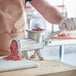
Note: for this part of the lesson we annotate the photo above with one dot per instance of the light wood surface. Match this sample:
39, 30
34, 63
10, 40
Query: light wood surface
64, 37
46, 68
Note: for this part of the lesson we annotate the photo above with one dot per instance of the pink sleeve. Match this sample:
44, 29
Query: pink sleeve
50, 13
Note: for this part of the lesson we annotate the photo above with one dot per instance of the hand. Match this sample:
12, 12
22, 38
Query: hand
68, 24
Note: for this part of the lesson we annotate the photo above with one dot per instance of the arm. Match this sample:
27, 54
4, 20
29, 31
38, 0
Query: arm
50, 13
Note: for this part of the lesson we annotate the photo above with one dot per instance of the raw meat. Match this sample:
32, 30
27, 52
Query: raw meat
14, 55
37, 29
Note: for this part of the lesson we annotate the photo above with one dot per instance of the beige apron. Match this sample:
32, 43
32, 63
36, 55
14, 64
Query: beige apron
11, 23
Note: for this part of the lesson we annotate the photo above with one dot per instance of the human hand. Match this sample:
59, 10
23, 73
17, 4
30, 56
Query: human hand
68, 24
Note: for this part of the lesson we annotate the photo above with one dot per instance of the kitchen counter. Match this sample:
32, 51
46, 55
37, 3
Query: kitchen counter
46, 68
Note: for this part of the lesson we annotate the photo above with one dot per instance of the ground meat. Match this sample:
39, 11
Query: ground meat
13, 52
37, 29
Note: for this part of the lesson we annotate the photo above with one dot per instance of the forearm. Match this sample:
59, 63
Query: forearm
50, 13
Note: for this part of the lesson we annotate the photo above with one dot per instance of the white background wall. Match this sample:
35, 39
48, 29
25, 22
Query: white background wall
71, 7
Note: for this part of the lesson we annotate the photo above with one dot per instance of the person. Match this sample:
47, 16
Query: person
12, 20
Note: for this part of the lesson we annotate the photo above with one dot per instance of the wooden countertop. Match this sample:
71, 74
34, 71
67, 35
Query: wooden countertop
64, 37
46, 68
